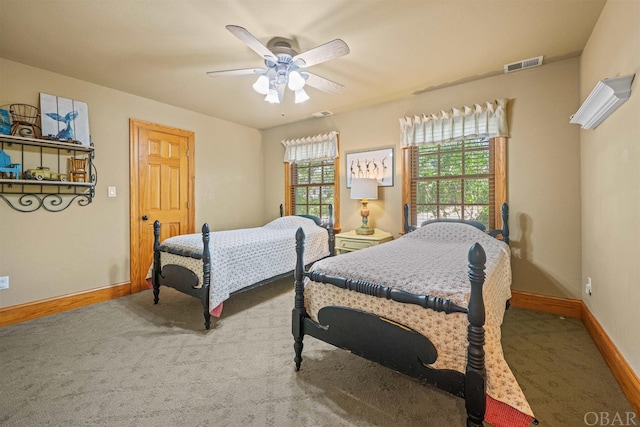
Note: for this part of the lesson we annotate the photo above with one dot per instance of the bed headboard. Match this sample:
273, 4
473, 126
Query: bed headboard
318, 221
504, 232
480, 226
315, 219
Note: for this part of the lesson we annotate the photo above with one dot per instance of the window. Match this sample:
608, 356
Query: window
311, 188
463, 179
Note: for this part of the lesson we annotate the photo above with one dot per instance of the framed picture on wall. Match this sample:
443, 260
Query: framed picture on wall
376, 164
5, 122
64, 119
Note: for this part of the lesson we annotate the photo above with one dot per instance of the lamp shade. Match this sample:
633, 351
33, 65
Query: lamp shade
262, 85
364, 188
296, 81
272, 97
603, 100
301, 96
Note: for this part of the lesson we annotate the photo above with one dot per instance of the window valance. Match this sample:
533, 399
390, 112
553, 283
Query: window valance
486, 120
317, 147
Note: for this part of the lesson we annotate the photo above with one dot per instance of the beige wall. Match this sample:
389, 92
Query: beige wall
611, 181
573, 194
543, 166
52, 254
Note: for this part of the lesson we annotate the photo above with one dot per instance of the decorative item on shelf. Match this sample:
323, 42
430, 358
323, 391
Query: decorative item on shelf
13, 169
24, 118
53, 138
5, 122
40, 173
65, 119
59, 177
43, 173
78, 169
364, 189
603, 100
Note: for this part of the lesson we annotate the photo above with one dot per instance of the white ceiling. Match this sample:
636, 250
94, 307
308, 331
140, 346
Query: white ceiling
161, 49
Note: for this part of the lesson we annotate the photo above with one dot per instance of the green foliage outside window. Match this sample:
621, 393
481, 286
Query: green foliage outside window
453, 180
313, 188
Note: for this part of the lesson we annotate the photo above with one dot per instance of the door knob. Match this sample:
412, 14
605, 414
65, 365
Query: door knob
145, 217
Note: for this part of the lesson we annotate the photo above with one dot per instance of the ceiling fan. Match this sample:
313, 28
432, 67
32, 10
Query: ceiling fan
285, 67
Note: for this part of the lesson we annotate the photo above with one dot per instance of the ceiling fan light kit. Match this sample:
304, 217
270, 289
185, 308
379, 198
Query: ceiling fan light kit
285, 67
272, 97
296, 81
301, 96
262, 85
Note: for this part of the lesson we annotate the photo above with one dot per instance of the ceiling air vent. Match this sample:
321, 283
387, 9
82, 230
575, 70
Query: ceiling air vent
521, 65
322, 114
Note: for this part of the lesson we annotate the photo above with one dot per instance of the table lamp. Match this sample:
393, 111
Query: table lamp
364, 189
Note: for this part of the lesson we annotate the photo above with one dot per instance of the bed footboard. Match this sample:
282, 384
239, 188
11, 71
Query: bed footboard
404, 349
180, 278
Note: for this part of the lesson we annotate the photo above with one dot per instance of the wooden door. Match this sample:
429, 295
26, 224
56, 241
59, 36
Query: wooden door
162, 177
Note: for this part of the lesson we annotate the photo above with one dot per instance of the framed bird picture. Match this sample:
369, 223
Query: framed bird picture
64, 119
376, 164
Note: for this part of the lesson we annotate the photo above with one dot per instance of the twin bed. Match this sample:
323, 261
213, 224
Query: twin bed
429, 304
208, 265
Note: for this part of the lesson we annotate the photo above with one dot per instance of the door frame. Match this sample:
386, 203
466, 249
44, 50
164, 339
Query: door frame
134, 186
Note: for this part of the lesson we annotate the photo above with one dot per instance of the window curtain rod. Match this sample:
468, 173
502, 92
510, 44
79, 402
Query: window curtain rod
317, 147
481, 120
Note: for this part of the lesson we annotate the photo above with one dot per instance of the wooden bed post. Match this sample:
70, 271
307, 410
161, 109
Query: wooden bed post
332, 238
475, 386
505, 223
156, 262
405, 226
299, 311
206, 275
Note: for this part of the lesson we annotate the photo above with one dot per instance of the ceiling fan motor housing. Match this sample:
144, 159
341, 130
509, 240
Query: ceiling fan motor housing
280, 45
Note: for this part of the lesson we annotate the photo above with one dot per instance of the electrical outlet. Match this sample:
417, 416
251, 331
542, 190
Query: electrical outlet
4, 282
587, 286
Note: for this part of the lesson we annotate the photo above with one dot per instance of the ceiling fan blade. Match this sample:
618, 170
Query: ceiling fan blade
236, 72
323, 84
247, 38
322, 53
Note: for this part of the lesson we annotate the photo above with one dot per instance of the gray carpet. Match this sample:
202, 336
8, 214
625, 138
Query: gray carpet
127, 362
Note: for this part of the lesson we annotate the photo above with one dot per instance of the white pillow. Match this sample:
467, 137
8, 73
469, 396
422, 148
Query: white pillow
290, 221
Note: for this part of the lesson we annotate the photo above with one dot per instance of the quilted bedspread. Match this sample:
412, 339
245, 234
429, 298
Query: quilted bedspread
240, 258
433, 260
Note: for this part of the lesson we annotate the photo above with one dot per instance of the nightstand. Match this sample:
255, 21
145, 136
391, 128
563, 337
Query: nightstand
350, 241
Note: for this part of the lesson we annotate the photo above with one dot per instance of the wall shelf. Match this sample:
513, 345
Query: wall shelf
28, 195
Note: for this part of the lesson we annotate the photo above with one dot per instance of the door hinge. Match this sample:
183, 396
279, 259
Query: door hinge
188, 204
188, 153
